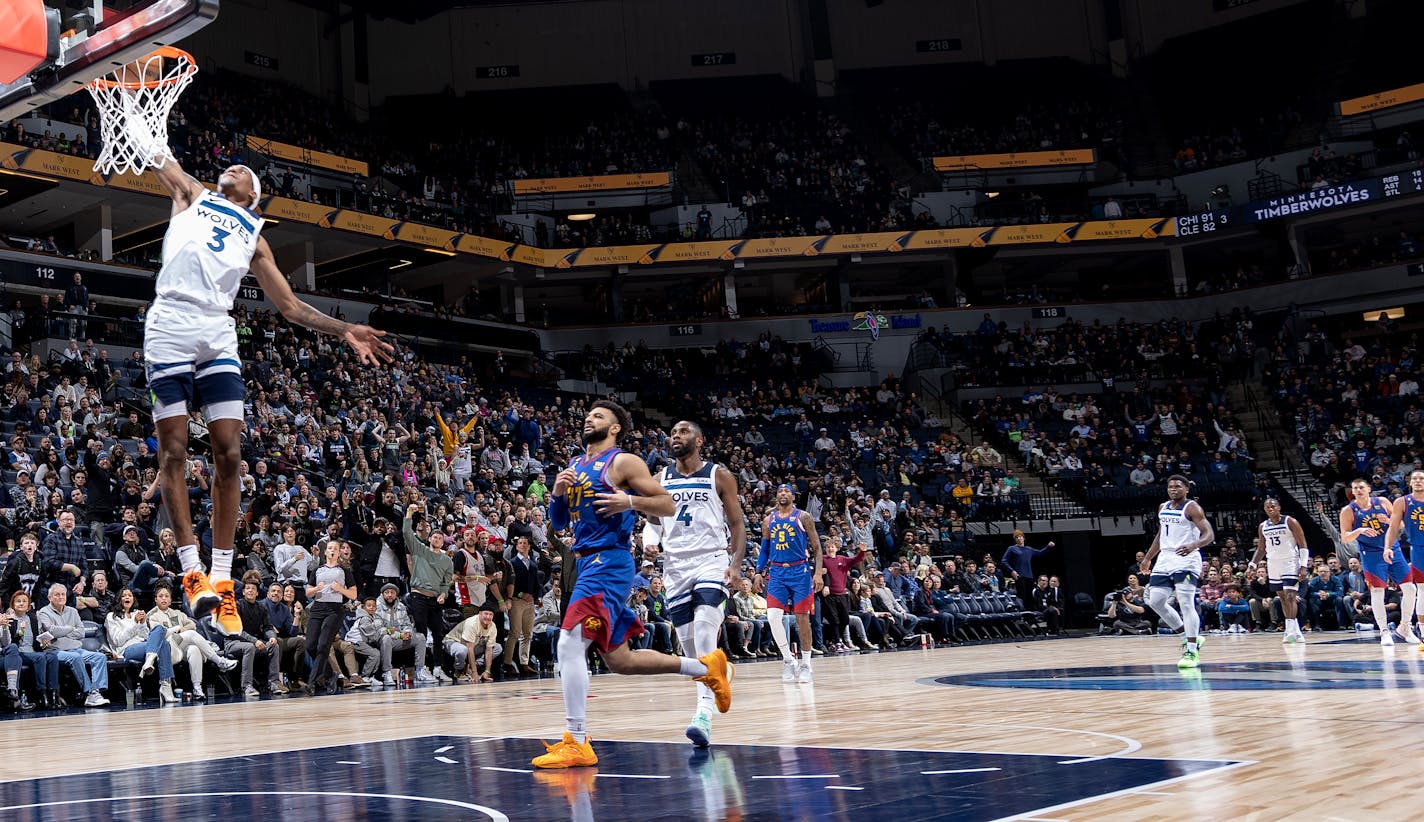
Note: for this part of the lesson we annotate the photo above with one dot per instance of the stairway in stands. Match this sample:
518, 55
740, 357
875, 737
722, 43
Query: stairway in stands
1276, 453
1044, 502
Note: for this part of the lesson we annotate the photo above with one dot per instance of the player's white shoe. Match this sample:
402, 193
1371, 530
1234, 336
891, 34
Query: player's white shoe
803, 673
1387, 639
788, 670
1293, 637
1406, 636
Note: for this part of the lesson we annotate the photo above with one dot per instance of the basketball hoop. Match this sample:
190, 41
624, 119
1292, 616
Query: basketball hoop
134, 101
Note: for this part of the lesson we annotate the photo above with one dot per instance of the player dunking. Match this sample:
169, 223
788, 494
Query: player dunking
1364, 522
1407, 516
1183, 532
600, 494
190, 353
1282, 542
789, 544
697, 569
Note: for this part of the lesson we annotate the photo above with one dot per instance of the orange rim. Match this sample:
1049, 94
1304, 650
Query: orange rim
163, 51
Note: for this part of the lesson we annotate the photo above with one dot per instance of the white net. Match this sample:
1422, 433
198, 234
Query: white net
134, 102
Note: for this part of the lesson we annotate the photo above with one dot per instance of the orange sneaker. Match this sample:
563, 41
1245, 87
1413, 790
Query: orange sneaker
226, 616
567, 753
718, 678
202, 599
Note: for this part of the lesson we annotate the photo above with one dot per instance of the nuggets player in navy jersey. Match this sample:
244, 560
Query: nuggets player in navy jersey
600, 495
1407, 517
1365, 522
190, 353
703, 544
792, 549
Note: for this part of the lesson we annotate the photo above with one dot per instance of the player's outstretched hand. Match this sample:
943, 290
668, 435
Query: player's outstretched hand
368, 345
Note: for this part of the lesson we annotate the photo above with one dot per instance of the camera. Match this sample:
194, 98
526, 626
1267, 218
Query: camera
1124, 593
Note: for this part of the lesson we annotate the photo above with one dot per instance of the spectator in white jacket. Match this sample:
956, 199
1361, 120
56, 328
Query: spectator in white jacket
130, 637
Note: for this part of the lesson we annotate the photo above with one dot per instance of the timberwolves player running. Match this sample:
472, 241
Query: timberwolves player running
1363, 522
190, 352
1407, 515
1283, 542
600, 495
1183, 532
792, 584
697, 572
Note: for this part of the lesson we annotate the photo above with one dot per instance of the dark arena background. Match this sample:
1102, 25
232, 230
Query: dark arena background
958, 272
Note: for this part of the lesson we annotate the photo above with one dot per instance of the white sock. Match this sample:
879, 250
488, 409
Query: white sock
1160, 600
1377, 605
1408, 604
806, 658
706, 624
1292, 626
188, 555
778, 632
691, 667
222, 566
573, 653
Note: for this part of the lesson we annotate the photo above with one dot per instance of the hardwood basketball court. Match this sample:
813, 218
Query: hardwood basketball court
1071, 729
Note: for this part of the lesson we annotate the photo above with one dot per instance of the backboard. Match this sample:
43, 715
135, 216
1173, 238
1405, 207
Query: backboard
124, 30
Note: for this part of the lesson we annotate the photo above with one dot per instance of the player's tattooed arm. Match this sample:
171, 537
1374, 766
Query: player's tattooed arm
309, 316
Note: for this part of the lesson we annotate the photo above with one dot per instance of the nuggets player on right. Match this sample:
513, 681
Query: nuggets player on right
1406, 516
789, 545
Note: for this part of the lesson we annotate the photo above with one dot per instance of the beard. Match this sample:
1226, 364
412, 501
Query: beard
682, 450
596, 435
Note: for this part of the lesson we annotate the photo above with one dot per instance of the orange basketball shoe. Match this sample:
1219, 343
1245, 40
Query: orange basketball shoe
226, 616
202, 599
718, 678
567, 753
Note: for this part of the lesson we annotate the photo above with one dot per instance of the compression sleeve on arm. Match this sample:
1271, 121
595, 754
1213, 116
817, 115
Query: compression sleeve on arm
559, 512
764, 556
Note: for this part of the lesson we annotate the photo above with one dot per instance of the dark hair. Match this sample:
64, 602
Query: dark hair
118, 606
620, 414
1179, 478
696, 429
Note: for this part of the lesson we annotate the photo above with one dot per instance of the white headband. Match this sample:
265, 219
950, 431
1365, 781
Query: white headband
256, 184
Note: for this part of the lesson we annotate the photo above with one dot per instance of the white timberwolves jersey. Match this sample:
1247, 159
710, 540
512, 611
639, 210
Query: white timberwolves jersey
698, 525
1176, 530
1279, 539
207, 250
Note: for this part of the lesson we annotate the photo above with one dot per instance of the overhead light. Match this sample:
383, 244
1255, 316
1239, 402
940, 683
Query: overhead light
991, 194
439, 251
401, 264
582, 216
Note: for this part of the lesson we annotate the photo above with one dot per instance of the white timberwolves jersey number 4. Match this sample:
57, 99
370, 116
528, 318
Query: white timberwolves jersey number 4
1176, 530
207, 250
698, 525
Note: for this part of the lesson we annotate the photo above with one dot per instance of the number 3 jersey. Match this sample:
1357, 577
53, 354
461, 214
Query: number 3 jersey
207, 250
